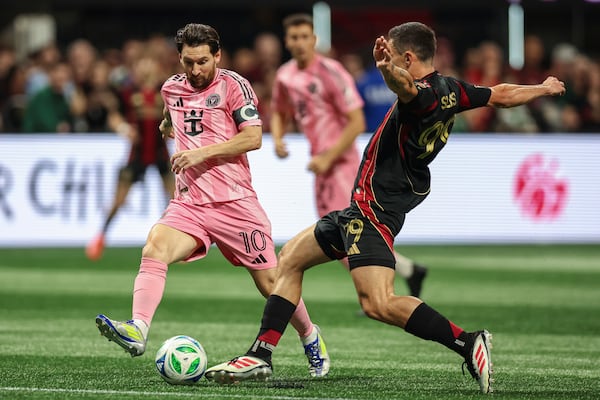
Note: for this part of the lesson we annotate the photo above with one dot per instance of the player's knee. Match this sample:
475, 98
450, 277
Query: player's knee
285, 259
375, 309
154, 249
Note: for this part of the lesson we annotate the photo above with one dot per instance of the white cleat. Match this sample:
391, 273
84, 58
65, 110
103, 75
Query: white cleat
479, 361
318, 358
125, 334
239, 369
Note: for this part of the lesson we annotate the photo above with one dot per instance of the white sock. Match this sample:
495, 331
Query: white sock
404, 266
142, 327
310, 338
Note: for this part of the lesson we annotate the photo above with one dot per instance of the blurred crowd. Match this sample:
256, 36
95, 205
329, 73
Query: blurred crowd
81, 89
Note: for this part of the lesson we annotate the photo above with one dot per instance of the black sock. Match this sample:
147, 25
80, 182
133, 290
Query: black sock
428, 324
278, 312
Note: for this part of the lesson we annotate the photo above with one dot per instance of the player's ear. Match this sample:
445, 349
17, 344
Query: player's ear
218, 56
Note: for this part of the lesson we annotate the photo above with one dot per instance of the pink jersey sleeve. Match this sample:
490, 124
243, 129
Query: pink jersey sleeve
280, 101
242, 101
340, 85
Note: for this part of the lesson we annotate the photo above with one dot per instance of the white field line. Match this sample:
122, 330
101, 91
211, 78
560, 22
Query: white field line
165, 394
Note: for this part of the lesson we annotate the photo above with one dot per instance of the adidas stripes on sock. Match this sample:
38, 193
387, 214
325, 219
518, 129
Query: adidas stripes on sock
276, 315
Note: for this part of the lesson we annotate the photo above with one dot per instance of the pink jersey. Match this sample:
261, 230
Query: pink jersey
319, 96
213, 115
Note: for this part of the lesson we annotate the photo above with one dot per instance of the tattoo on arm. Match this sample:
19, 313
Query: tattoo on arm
398, 80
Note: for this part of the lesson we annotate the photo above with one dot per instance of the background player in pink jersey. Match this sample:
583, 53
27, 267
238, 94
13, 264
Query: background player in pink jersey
212, 115
393, 178
320, 96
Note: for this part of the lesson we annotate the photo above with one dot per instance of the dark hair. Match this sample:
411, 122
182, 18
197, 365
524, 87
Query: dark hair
197, 34
416, 37
297, 19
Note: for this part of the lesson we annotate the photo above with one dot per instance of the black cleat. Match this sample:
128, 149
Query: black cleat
415, 282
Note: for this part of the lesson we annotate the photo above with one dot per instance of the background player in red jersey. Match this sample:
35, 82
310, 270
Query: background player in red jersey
321, 98
143, 108
393, 178
215, 122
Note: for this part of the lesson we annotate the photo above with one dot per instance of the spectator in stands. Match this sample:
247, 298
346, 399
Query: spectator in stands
121, 75
486, 69
534, 54
377, 97
81, 56
37, 71
533, 70
559, 113
12, 91
593, 122
268, 51
104, 108
445, 57
51, 109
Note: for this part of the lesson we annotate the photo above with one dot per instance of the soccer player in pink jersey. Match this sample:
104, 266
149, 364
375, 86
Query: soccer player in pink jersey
321, 97
212, 115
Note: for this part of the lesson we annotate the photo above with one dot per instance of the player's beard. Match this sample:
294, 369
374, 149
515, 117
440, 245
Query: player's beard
201, 82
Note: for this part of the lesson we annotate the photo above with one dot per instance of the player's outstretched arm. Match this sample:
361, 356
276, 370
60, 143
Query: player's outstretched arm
511, 95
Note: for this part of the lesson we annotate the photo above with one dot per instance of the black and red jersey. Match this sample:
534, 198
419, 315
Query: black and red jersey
394, 173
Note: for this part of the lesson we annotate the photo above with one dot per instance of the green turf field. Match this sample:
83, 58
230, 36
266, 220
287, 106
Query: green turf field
542, 303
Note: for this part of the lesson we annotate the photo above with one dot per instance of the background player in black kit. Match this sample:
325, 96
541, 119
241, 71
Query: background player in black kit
393, 178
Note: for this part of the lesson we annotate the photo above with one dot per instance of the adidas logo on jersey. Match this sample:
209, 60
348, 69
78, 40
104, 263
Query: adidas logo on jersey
178, 103
259, 260
353, 249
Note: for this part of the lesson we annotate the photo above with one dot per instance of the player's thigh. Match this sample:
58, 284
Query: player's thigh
301, 252
168, 244
373, 281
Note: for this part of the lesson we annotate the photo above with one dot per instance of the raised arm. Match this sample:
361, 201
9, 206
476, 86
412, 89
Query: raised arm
506, 95
399, 80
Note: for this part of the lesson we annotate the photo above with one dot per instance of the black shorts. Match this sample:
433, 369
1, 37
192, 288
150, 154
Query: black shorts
349, 233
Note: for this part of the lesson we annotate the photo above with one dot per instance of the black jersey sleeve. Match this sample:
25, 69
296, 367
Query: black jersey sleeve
472, 96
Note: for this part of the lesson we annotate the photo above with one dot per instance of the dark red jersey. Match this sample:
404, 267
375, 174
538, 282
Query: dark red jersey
394, 173
144, 110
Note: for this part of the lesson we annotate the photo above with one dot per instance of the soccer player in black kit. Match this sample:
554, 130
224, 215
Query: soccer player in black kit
393, 179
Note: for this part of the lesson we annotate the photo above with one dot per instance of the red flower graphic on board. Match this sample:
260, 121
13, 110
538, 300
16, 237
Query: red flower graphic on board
539, 191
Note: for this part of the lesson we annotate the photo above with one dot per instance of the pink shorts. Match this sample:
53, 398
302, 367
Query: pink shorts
239, 228
334, 189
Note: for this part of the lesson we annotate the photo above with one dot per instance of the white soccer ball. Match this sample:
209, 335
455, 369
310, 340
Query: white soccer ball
181, 360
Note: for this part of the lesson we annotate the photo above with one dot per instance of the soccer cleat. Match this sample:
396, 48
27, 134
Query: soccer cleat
416, 280
479, 361
125, 334
239, 369
95, 248
318, 358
